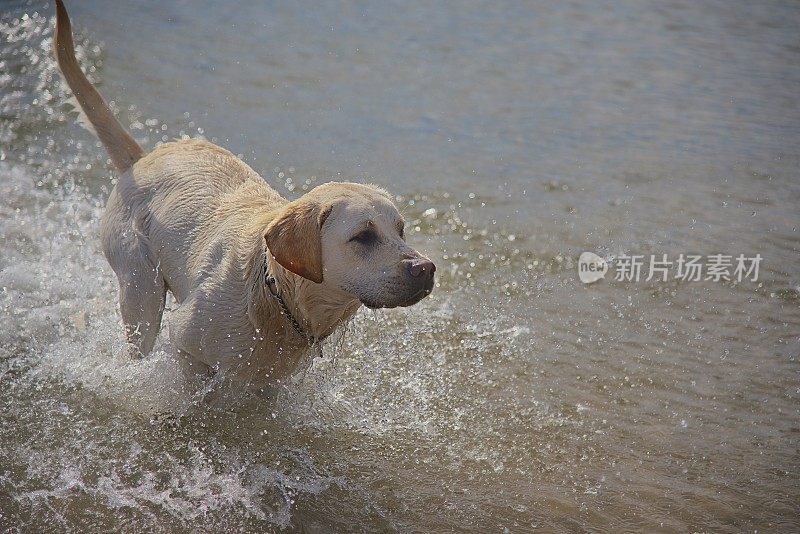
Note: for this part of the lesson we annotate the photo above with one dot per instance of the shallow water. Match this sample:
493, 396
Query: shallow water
515, 397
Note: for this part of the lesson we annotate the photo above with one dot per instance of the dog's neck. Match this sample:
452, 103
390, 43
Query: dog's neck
318, 309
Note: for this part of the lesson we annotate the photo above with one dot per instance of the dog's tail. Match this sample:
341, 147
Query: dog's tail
97, 116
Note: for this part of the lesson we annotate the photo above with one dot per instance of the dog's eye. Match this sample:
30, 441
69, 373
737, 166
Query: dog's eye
366, 237
402, 231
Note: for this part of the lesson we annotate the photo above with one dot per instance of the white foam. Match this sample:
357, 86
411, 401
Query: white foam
65, 298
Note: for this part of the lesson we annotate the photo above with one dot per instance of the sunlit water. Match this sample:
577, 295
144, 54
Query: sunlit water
515, 137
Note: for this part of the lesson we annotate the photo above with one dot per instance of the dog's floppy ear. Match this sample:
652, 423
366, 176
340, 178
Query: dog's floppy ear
294, 238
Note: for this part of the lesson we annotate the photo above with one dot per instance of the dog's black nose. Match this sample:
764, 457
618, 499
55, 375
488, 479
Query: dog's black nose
422, 267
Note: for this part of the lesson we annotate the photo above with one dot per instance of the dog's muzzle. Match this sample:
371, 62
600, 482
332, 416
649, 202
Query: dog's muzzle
419, 273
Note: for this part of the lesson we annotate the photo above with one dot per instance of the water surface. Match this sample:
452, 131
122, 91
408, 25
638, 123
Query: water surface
515, 136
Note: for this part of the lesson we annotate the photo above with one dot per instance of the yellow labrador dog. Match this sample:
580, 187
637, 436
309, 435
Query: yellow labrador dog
259, 279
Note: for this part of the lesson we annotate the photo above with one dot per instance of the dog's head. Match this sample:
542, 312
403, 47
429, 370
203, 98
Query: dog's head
350, 236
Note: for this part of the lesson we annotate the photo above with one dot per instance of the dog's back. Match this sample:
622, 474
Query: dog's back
187, 202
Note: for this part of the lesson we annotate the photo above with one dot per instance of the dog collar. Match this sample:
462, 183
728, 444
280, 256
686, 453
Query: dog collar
272, 287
